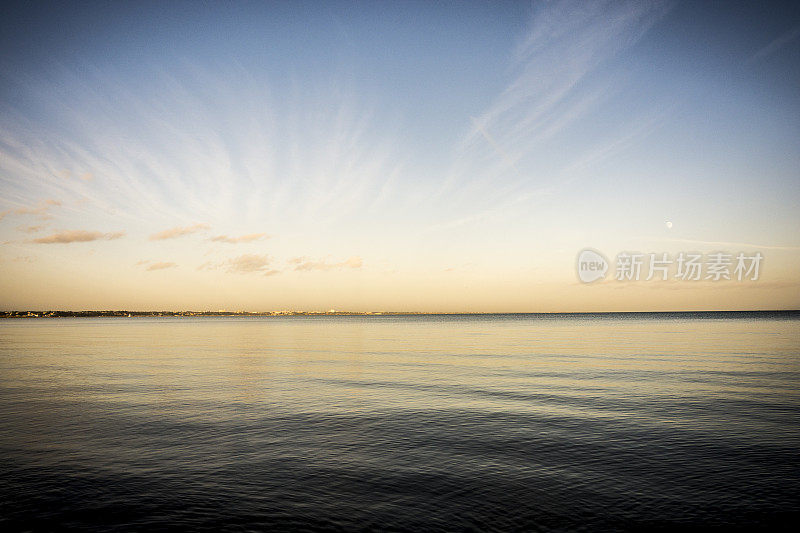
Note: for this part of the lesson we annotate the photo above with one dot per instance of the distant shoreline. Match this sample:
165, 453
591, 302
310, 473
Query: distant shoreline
151, 314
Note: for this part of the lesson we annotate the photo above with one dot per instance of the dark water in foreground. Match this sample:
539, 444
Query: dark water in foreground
400, 423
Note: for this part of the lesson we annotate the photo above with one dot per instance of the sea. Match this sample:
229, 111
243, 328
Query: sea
520, 422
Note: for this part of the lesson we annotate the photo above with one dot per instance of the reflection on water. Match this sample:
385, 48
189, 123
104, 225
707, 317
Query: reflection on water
492, 422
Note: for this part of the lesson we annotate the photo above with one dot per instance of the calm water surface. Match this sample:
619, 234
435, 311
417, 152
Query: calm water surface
400, 423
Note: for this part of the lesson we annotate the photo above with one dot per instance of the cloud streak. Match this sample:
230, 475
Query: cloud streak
42, 209
304, 263
30, 229
734, 244
244, 238
66, 237
163, 265
174, 233
775, 46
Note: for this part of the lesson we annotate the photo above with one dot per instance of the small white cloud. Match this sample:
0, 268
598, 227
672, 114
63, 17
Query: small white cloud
247, 263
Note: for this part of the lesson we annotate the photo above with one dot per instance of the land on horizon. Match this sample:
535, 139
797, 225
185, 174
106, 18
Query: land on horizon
124, 313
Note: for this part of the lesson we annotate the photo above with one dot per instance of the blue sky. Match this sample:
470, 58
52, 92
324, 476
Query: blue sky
449, 156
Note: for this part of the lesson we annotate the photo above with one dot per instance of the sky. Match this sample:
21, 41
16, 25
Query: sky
396, 156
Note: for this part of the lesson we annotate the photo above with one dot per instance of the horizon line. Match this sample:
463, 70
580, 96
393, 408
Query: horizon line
189, 313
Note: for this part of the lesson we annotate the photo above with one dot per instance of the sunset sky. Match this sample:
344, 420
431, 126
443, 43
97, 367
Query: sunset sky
394, 156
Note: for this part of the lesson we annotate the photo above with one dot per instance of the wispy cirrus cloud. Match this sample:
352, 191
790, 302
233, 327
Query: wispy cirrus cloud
243, 238
174, 233
553, 85
70, 236
304, 263
162, 265
775, 45
306, 154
